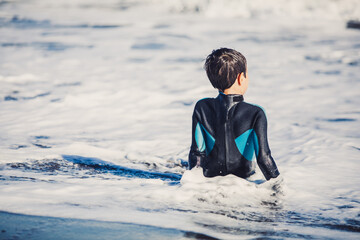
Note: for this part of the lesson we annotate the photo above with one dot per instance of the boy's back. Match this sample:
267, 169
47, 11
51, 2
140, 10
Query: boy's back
227, 135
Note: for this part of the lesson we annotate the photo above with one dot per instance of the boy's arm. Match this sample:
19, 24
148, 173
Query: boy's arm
265, 161
195, 154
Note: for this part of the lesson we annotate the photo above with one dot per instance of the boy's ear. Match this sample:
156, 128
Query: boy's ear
240, 78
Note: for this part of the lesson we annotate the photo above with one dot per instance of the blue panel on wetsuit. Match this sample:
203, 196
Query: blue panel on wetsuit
203, 138
247, 143
256, 143
199, 138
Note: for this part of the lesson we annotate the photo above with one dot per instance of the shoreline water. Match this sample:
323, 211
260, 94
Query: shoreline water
96, 104
21, 226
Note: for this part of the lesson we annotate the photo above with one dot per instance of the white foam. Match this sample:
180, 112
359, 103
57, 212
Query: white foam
109, 95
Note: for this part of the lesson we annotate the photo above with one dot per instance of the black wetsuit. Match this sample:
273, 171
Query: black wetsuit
226, 135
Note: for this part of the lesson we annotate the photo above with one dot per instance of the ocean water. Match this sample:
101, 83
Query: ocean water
96, 99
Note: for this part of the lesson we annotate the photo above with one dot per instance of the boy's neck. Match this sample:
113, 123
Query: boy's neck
230, 91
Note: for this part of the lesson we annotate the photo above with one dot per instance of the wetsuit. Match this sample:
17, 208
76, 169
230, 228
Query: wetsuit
227, 134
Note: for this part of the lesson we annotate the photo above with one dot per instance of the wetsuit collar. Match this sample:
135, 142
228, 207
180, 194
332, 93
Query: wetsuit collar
230, 100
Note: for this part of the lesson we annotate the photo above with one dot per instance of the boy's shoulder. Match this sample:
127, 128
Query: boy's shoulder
204, 101
205, 104
254, 106
255, 109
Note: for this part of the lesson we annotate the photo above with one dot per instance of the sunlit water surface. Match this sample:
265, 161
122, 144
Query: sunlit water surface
96, 100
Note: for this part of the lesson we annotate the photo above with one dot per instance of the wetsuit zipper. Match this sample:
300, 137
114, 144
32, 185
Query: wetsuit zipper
226, 139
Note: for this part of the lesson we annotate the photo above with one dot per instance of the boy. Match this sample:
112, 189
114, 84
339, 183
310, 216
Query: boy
226, 131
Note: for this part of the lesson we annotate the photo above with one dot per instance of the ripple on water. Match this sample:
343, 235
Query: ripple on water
149, 46
47, 46
337, 119
28, 23
16, 98
79, 166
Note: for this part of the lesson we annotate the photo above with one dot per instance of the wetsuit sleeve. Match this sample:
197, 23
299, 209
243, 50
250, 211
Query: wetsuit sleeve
263, 155
197, 153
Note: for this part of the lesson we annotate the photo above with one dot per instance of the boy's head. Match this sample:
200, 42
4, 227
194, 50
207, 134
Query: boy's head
223, 67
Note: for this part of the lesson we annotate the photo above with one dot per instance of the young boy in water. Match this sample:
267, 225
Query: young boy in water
227, 133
